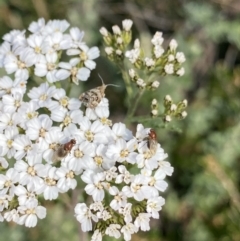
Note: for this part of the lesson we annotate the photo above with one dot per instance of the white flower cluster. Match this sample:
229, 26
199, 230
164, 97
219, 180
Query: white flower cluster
168, 61
41, 52
47, 143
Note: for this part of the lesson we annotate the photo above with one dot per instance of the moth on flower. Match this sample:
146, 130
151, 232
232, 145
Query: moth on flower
93, 97
63, 150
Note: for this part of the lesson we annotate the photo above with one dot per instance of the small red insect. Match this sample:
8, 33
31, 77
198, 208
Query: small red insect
63, 150
152, 141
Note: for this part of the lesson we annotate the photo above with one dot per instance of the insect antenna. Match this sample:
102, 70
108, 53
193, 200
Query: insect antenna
107, 84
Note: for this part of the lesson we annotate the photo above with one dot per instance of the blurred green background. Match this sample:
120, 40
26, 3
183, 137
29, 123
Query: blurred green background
203, 199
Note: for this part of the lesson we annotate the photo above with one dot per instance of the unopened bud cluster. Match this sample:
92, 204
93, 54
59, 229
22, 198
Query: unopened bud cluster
173, 110
117, 42
154, 108
161, 62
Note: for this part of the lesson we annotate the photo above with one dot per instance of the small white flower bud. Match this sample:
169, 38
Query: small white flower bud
157, 39
168, 98
168, 118
180, 72
184, 114
171, 57
119, 52
169, 68
149, 62
154, 102
154, 112
119, 40
173, 107
116, 30
155, 84
103, 31
141, 83
158, 51
132, 73
173, 45
185, 102
127, 24
109, 50
137, 44
180, 57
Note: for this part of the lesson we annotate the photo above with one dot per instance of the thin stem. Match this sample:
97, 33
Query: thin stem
132, 110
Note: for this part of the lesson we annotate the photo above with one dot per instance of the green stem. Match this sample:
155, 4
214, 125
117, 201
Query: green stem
132, 110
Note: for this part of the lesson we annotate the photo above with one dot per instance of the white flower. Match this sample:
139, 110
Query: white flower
25, 195
12, 215
66, 179
95, 184
126, 212
38, 127
57, 26
64, 101
27, 111
104, 215
47, 66
86, 55
49, 187
124, 176
57, 41
31, 211
19, 65
66, 117
119, 131
138, 188
42, 94
84, 216
7, 181
154, 205
12, 102
28, 172
93, 132
8, 120
97, 236
82, 156
77, 36
37, 27
128, 230
113, 230
142, 221
23, 146
165, 167
6, 141
50, 142
120, 200
123, 151
71, 70
37, 43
